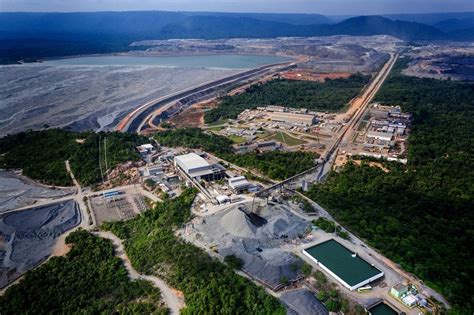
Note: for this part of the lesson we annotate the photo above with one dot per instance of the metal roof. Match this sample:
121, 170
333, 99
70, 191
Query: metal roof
191, 161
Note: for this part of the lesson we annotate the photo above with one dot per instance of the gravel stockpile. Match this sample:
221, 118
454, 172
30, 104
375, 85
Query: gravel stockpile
302, 302
233, 232
238, 224
28, 237
17, 191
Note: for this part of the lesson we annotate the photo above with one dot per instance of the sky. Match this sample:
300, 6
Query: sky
327, 7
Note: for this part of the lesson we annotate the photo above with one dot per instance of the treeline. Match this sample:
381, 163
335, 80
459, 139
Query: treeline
331, 95
420, 215
194, 138
42, 154
88, 280
209, 286
275, 164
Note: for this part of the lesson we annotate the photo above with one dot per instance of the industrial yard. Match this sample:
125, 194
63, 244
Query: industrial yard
267, 223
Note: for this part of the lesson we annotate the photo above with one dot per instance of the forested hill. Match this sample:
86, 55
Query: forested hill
420, 215
42, 154
32, 36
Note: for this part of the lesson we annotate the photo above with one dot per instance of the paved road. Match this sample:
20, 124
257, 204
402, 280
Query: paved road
133, 122
170, 295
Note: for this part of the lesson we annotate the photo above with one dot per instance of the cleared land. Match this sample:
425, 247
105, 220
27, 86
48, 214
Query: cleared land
28, 237
85, 97
285, 138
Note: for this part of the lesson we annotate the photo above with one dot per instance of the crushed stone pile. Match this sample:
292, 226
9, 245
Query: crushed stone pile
237, 223
260, 248
302, 302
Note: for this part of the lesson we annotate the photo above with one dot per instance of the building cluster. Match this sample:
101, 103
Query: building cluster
281, 117
258, 147
171, 168
386, 132
408, 295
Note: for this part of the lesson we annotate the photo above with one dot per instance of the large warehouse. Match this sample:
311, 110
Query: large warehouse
344, 265
198, 168
294, 118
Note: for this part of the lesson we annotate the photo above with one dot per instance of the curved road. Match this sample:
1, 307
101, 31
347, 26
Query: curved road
134, 120
170, 296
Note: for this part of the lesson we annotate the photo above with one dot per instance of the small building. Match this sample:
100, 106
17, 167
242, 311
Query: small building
198, 168
378, 135
399, 290
409, 300
242, 149
153, 171
274, 108
239, 183
222, 199
267, 146
294, 118
146, 149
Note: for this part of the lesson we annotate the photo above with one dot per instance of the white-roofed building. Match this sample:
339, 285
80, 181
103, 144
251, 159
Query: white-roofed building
239, 183
379, 135
198, 168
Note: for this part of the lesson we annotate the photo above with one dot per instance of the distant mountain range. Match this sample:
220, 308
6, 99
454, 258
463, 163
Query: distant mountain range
20, 33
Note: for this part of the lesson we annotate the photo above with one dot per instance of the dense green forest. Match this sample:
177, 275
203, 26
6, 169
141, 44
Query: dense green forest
209, 286
88, 280
331, 95
420, 215
194, 138
41, 154
275, 164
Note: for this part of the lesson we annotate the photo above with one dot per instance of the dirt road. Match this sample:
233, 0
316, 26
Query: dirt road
170, 296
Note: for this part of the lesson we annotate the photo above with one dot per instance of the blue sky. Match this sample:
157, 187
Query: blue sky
328, 7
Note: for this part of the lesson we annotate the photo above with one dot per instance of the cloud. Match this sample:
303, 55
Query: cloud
331, 7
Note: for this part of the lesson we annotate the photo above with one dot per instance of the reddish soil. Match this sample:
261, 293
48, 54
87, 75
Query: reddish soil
306, 75
194, 115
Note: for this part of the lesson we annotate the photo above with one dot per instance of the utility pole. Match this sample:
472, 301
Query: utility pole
100, 164
105, 155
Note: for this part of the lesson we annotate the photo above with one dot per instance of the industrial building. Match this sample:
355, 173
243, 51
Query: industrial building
380, 135
145, 149
198, 168
239, 183
294, 118
344, 265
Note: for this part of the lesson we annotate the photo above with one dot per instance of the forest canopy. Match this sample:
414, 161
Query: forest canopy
209, 286
420, 215
42, 154
88, 280
330, 95
277, 165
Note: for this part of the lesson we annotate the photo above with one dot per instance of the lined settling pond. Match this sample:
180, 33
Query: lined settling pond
344, 265
382, 309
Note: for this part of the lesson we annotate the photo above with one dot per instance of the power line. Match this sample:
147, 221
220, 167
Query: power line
100, 164
105, 155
